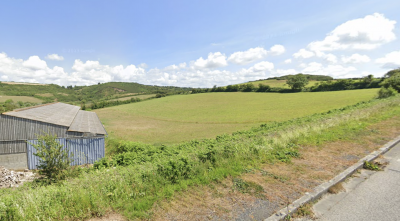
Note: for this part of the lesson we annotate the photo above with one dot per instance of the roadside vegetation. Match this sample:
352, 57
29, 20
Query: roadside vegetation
134, 175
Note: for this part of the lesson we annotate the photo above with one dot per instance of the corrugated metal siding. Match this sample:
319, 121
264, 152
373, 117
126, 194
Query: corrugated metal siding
14, 128
83, 151
10, 147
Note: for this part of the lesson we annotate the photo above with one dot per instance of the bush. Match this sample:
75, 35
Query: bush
54, 159
386, 92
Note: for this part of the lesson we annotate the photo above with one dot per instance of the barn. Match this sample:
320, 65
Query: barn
81, 132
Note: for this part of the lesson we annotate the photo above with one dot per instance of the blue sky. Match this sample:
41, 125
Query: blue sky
195, 43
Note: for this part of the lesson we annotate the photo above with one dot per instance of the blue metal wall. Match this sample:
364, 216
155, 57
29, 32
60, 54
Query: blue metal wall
82, 150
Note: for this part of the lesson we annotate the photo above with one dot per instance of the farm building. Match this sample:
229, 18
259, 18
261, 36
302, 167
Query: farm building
81, 132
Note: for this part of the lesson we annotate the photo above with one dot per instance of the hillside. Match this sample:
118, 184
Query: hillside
78, 94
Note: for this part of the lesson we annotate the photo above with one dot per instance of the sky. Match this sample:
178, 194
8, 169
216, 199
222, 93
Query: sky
195, 43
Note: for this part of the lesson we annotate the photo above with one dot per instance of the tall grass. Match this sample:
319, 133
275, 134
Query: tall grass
135, 175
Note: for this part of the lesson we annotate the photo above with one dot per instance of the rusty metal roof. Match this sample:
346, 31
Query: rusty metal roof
54, 113
87, 122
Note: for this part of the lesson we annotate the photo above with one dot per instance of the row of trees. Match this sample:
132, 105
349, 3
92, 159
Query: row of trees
297, 83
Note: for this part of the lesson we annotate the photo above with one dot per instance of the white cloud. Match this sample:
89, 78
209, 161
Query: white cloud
249, 56
355, 59
390, 61
33, 70
303, 53
277, 50
281, 72
35, 63
54, 57
364, 33
331, 58
143, 65
263, 66
288, 61
214, 60
335, 71
92, 72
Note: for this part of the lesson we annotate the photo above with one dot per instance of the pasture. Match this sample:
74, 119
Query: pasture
180, 118
142, 97
20, 98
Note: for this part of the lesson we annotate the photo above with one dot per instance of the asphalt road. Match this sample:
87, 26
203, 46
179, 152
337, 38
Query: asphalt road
369, 196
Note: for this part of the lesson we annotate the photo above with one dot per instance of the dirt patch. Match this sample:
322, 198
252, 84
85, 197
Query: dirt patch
281, 183
109, 217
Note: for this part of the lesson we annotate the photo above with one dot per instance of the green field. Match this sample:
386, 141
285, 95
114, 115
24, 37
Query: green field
142, 97
180, 118
20, 98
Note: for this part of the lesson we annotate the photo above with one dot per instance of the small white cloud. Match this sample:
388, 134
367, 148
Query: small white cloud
54, 57
214, 60
288, 61
277, 50
182, 65
303, 53
143, 65
390, 61
331, 58
355, 59
263, 66
335, 71
364, 33
249, 56
35, 63
281, 72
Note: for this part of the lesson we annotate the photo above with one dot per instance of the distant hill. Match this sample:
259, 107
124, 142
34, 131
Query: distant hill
77, 94
309, 76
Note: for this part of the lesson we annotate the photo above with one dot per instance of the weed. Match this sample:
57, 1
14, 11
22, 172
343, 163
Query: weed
371, 166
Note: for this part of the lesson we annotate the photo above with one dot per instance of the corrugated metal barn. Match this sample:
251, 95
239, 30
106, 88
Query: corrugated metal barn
81, 132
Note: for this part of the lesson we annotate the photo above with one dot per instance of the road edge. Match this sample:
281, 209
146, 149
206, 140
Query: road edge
323, 188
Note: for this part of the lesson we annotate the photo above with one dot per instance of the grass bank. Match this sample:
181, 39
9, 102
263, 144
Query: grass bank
137, 175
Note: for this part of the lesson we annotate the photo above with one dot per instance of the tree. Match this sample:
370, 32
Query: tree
297, 82
54, 159
249, 87
393, 81
392, 72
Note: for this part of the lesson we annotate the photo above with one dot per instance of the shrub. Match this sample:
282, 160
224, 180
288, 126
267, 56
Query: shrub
54, 159
386, 92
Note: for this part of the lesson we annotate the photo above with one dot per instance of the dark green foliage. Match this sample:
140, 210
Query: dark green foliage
392, 72
386, 92
392, 81
232, 88
346, 84
263, 88
249, 87
54, 158
297, 82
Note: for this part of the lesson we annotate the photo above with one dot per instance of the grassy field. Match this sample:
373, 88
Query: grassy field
184, 117
143, 96
20, 98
